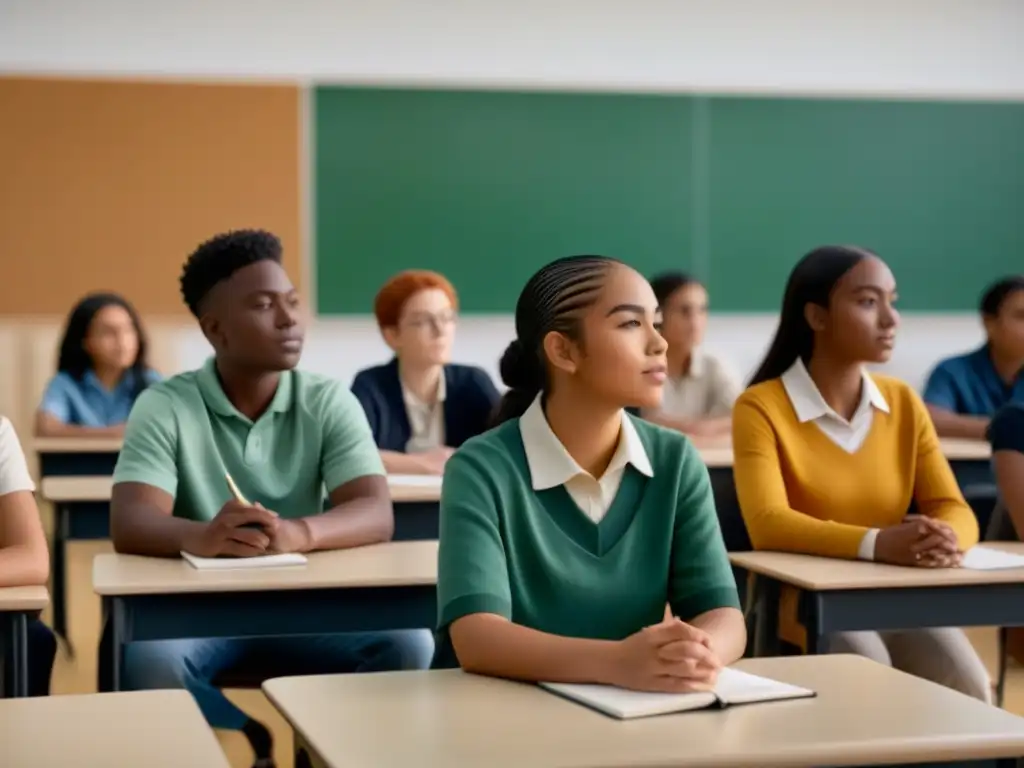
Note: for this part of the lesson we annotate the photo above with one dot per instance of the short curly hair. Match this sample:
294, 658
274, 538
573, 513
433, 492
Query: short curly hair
220, 257
391, 298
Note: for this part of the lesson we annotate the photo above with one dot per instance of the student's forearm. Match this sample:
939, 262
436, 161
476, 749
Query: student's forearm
396, 463
23, 566
488, 644
956, 425
352, 524
142, 531
728, 632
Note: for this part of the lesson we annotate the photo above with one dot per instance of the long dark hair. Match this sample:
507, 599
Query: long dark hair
811, 282
550, 301
75, 361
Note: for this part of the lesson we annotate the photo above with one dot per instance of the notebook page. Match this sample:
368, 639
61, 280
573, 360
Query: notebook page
415, 481
625, 704
230, 563
987, 559
736, 687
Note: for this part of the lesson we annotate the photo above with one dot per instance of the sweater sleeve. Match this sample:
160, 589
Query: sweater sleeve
771, 522
936, 491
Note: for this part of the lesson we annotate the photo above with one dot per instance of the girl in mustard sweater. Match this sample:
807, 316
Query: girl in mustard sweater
828, 458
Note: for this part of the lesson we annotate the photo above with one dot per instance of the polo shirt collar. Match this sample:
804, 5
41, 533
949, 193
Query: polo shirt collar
551, 465
810, 405
215, 398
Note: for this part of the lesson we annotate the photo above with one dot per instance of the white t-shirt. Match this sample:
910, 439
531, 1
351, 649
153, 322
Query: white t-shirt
14, 474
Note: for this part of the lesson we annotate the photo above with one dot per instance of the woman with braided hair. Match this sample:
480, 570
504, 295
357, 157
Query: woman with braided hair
567, 528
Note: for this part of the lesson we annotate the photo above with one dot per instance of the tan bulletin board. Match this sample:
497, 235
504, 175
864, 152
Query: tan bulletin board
109, 185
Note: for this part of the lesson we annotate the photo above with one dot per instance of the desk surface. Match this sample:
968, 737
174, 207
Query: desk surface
157, 729
97, 488
452, 718
77, 444
717, 454
23, 599
823, 574
394, 564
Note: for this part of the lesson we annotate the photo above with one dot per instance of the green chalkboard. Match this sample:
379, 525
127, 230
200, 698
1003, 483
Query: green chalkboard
486, 187
936, 189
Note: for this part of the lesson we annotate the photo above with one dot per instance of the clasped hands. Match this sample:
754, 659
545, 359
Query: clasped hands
669, 657
243, 530
919, 541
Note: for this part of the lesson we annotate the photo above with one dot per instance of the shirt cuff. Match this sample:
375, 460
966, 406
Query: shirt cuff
866, 551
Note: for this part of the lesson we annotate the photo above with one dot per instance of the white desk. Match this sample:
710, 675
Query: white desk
155, 729
864, 714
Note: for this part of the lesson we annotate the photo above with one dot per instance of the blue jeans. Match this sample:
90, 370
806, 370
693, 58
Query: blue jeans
195, 664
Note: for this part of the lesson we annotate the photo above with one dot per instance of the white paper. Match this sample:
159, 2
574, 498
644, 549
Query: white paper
229, 563
733, 687
415, 481
987, 559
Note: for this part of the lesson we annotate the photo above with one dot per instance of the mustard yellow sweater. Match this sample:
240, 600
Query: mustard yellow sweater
800, 492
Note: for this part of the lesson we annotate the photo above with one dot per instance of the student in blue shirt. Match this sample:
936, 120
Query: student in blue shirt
101, 369
964, 392
420, 406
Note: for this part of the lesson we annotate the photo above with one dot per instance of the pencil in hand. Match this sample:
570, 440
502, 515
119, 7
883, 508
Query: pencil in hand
235, 492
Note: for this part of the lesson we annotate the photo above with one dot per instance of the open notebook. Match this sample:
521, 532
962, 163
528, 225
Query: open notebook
261, 561
734, 687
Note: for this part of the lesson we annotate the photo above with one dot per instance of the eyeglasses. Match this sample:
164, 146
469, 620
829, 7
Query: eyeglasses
436, 323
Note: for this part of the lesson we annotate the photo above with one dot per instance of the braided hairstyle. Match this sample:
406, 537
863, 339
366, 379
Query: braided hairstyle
552, 300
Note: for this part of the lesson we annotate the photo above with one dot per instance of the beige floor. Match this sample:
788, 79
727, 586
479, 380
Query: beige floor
79, 675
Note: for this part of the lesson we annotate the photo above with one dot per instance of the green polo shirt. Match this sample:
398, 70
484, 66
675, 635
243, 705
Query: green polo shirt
531, 555
184, 434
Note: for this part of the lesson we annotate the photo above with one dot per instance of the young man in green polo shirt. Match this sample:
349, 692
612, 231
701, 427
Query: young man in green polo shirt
285, 437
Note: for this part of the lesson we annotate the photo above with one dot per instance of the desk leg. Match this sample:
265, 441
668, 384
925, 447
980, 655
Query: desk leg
117, 616
817, 641
766, 628
58, 554
17, 652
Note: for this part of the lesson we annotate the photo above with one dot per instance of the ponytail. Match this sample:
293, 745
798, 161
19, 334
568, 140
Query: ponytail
550, 301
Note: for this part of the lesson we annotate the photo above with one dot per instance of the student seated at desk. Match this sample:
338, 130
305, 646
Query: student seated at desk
101, 370
964, 392
420, 406
24, 560
701, 389
284, 436
828, 458
567, 528
1006, 434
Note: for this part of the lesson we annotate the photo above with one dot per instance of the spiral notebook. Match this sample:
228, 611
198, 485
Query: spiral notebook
231, 563
734, 687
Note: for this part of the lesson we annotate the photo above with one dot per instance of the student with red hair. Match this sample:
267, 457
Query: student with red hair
420, 406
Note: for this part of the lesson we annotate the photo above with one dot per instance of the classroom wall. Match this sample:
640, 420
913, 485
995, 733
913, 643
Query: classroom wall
899, 48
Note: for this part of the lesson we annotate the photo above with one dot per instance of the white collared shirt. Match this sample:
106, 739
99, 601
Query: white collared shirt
850, 435
426, 420
551, 465
707, 390
14, 475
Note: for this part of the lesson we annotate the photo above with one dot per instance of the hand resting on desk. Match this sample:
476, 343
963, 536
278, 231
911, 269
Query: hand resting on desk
919, 542
670, 657
238, 530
